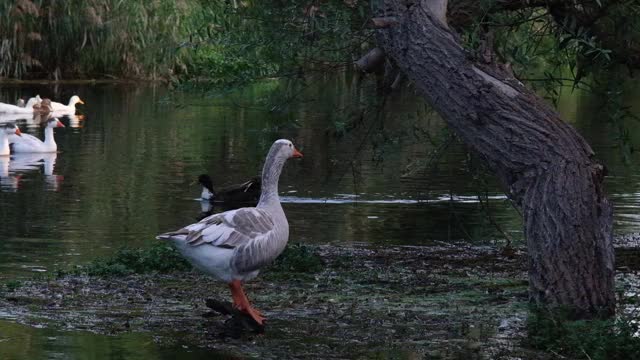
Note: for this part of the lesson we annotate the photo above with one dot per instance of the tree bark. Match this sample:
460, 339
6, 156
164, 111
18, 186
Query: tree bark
545, 166
371, 61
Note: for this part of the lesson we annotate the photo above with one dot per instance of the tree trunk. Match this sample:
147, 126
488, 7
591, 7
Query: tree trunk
545, 166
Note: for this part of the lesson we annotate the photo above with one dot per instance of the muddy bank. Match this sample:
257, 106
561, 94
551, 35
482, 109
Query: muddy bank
440, 302
432, 302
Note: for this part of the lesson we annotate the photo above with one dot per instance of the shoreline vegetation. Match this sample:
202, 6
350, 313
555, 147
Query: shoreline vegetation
217, 42
438, 302
75, 81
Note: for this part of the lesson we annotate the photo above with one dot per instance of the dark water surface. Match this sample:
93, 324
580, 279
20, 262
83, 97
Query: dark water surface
125, 168
125, 174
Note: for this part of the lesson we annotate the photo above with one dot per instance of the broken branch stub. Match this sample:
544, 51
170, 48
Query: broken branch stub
371, 61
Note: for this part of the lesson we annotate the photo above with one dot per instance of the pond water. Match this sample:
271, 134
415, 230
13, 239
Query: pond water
126, 165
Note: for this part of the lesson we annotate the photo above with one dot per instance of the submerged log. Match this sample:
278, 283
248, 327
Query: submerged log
239, 321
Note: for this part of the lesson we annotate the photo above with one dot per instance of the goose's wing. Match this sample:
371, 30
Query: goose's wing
13, 109
25, 141
229, 229
56, 106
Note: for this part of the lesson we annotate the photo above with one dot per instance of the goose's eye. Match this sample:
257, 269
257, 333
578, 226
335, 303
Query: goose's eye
290, 145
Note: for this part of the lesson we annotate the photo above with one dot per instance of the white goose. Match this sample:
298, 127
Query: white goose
33, 101
232, 246
17, 109
14, 109
31, 144
62, 108
7, 130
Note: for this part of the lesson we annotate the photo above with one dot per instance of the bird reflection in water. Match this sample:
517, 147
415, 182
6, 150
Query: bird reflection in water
8, 182
13, 168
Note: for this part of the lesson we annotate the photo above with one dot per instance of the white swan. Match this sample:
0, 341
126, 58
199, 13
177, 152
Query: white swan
232, 246
7, 130
31, 144
57, 107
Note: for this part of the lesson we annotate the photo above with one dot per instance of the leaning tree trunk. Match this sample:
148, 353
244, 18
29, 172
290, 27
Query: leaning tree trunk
546, 167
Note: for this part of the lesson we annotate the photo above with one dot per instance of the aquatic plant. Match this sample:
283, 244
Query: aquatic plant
96, 38
12, 285
158, 258
298, 258
556, 332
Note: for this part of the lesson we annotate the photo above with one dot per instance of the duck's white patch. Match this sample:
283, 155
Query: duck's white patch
206, 194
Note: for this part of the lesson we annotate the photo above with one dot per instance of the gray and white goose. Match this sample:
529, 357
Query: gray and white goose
232, 246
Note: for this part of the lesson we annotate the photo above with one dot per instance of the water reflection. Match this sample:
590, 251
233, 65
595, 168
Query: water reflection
74, 121
4, 117
8, 182
13, 168
23, 342
124, 176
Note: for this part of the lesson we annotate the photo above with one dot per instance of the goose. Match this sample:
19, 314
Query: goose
33, 101
16, 109
7, 130
21, 103
247, 192
71, 108
31, 144
232, 246
43, 107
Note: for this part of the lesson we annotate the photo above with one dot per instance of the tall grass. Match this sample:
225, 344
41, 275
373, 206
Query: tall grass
212, 40
93, 38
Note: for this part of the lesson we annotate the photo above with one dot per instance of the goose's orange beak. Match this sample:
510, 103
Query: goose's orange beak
296, 153
80, 102
18, 132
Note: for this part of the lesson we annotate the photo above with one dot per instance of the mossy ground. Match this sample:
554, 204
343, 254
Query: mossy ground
399, 302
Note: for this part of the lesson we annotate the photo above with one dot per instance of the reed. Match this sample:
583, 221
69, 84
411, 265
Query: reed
94, 38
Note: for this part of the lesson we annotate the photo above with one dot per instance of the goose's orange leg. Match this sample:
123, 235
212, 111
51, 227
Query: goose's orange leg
241, 302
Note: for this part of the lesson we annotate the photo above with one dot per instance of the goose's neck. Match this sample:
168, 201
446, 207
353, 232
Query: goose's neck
4, 144
270, 176
48, 137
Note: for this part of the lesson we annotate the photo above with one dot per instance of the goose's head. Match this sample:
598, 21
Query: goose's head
21, 103
9, 129
286, 149
54, 123
75, 99
33, 101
